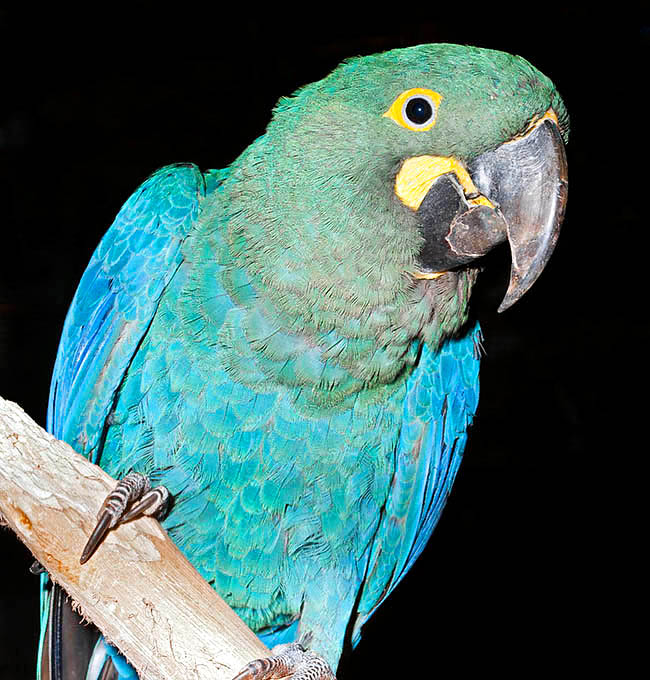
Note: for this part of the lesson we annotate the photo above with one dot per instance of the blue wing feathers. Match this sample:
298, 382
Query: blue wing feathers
116, 299
439, 404
443, 432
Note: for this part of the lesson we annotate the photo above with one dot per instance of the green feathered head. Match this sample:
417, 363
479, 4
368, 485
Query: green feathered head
482, 98
375, 191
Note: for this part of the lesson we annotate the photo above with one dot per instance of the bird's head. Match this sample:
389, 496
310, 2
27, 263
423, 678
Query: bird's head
444, 150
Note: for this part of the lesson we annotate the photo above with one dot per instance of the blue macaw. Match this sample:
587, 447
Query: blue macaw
285, 344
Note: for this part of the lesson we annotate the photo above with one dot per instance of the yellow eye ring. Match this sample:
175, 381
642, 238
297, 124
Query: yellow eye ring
415, 109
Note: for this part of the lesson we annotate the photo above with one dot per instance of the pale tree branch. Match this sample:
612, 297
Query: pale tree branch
138, 589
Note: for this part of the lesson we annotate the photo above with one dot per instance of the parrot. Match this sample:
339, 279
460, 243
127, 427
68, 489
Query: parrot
285, 347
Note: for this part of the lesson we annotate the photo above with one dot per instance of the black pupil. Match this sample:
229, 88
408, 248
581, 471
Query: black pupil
418, 110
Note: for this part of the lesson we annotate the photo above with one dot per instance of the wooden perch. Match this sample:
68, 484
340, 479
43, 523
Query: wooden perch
138, 589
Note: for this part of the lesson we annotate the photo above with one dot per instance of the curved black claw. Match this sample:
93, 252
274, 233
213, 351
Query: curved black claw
135, 491
288, 661
153, 504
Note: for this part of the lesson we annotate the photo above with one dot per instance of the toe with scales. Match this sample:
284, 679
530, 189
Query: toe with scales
288, 661
132, 497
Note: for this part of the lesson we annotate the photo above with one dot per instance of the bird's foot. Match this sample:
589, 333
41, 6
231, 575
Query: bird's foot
288, 661
132, 497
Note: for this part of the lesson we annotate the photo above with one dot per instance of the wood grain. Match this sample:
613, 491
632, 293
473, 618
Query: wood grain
138, 588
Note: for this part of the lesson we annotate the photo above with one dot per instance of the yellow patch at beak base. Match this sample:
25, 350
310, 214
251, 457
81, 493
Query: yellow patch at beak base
418, 173
427, 276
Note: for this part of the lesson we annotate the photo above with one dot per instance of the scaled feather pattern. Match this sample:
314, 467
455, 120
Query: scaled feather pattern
252, 339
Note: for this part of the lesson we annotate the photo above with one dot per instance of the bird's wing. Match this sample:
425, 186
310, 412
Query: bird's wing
116, 300
441, 398
114, 304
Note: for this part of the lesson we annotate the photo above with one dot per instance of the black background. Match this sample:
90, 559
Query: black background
517, 578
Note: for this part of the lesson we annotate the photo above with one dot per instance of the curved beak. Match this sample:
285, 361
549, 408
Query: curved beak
516, 192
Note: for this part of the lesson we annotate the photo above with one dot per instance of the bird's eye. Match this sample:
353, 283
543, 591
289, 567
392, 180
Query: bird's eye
415, 109
419, 110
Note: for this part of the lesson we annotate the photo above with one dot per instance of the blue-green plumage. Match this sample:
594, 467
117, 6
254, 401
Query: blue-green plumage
252, 339
271, 496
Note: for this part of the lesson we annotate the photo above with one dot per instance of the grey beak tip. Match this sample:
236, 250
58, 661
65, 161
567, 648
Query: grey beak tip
506, 304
